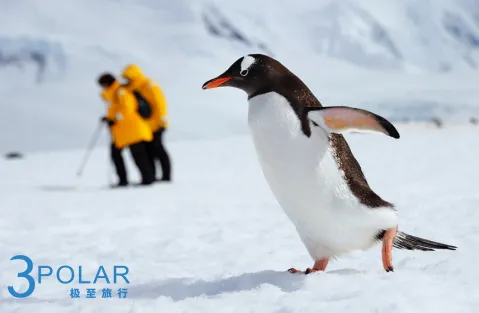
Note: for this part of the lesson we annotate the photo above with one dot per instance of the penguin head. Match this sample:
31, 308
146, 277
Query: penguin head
250, 73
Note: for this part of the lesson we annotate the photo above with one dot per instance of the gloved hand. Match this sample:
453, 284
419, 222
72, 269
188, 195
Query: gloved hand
110, 123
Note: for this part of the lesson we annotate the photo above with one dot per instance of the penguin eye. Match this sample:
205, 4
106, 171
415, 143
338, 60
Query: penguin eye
244, 72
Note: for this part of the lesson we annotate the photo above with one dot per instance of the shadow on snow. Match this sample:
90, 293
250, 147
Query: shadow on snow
182, 288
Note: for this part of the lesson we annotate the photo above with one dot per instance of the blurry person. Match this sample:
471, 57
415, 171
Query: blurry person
151, 96
127, 128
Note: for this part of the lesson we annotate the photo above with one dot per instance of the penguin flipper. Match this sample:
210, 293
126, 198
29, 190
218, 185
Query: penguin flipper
343, 119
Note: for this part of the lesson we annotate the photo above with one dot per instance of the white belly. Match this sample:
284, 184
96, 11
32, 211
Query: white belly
308, 184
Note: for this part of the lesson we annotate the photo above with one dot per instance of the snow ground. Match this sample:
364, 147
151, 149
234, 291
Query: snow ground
216, 240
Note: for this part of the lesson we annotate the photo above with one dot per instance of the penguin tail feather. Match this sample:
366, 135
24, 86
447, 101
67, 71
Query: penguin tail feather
409, 242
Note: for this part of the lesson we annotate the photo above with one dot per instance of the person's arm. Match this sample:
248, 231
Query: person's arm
110, 116
120, 106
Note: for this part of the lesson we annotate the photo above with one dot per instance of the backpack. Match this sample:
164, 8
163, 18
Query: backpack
144, 108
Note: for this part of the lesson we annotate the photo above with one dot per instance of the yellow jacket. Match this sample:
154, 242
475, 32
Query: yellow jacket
152, 93
129, 127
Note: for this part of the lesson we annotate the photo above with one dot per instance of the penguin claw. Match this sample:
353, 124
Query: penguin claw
294, 271
308, 271
311, 270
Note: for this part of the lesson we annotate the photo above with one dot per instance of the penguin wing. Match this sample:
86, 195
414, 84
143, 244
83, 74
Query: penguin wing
343, 119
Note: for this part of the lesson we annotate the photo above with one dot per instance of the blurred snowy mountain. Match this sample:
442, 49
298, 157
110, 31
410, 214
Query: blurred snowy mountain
406, 59
439, 35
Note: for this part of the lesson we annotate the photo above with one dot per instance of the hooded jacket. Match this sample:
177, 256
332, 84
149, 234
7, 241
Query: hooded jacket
151, 92
128, 128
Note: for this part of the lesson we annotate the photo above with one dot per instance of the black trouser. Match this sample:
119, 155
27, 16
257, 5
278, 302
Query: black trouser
157, 151
139, 153
119, 164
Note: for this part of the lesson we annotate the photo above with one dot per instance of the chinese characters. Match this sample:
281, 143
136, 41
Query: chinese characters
91, 293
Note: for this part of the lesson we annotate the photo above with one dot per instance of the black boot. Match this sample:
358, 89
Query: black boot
121, 184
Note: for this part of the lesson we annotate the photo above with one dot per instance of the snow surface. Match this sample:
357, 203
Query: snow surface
407, 60
216, 240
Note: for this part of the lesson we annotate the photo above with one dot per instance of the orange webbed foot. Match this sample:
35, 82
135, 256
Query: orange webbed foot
319, 265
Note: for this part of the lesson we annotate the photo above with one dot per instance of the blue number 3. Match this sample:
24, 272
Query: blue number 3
24, 274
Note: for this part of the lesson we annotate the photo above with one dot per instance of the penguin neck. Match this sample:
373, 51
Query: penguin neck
261, 91
296, 93
277, 129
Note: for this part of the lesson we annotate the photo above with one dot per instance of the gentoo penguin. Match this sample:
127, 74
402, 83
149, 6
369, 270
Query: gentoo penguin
310, 168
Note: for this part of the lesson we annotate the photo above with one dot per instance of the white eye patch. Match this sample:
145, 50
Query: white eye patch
247, 62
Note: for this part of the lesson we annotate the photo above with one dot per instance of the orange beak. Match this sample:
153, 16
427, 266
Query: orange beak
215, 82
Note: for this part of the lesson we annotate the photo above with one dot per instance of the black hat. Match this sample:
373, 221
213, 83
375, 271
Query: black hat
106, 80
